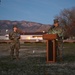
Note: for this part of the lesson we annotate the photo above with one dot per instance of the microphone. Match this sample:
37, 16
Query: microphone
52, 26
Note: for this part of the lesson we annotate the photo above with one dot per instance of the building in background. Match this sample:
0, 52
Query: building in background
26, 37
33, 37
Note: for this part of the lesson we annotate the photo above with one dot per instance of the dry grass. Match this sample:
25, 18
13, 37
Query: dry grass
35, 63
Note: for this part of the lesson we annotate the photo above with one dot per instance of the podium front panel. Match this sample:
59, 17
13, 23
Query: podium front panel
51, 51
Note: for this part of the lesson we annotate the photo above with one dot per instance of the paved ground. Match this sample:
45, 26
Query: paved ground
32, 62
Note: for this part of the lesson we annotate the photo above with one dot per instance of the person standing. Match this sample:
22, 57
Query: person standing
57, 29
14, 36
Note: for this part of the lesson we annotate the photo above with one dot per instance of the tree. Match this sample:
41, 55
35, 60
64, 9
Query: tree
67, 20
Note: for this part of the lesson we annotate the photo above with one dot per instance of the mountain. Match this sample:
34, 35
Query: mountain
25, 26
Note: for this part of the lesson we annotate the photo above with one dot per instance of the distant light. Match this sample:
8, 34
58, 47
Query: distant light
6, 30
43, 31
36, 37
28, 38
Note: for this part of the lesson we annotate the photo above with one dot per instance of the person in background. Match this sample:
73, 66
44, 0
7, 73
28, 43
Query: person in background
57, 29
14, 36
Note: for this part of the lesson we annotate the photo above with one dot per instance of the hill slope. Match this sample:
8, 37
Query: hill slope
25, 26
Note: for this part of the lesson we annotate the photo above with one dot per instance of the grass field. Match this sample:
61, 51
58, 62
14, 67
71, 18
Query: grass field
34, 63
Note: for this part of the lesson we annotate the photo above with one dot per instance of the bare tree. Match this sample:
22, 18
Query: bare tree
67, 20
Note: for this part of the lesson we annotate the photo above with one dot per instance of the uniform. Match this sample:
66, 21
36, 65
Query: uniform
58, 30
15, 43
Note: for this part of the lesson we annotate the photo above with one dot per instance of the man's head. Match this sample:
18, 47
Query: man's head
56, 22
15, 28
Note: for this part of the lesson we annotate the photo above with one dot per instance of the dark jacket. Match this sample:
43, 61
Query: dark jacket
14, 37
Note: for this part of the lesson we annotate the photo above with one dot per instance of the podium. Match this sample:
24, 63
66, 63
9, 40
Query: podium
51, 47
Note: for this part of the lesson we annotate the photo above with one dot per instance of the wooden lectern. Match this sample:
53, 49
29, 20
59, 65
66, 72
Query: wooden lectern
51, 46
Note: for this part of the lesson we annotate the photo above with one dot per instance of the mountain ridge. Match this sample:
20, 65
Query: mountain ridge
25, 26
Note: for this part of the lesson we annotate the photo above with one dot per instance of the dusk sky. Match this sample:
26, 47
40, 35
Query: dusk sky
41, 11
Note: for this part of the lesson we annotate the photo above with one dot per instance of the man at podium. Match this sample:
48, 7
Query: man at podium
56, 29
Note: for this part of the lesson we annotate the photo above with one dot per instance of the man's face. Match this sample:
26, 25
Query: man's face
15, 29
56, 24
